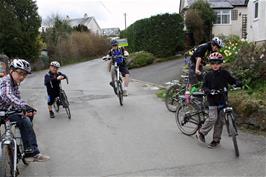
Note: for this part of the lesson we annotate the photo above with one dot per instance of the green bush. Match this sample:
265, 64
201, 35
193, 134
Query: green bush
140, 59
161, 35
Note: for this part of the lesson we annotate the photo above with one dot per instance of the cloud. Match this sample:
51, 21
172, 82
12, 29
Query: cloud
108, 13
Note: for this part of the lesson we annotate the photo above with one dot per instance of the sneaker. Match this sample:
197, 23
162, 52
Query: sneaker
38, 158
112, 84
125, 93
200, 137
52, 114
213, 144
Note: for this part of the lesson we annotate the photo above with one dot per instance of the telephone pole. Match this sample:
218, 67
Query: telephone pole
125, 20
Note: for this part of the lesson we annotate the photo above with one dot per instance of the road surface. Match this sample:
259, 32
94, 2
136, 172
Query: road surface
138, 139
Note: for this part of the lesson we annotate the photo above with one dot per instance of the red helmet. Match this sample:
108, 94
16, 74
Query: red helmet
216, 57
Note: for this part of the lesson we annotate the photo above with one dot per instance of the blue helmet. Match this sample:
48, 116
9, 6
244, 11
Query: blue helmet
114, 42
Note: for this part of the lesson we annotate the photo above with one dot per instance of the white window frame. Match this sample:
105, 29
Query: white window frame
220, 13
254, 7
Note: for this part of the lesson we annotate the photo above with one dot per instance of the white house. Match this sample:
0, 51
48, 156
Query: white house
231, 16
257, 21
90, 22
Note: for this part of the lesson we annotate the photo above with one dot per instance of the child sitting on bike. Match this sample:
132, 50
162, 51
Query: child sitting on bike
52, 82
216, 79
116, 51
10, 100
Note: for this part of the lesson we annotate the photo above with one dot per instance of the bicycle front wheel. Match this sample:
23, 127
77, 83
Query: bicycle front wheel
233, 132
68, 112
120, 93
187, 119
171, 97
6, 161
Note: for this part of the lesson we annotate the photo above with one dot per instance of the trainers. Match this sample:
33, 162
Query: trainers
38, 158
213, 144
51, 114
125, 93
200, 137
112, 84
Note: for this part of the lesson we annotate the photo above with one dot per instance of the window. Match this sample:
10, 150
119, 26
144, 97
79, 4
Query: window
222, 17
234, 14
256, 10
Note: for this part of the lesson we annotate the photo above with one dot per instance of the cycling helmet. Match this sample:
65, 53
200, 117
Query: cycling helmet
218, 42
114, 43
21, 64
55, 64
216, 57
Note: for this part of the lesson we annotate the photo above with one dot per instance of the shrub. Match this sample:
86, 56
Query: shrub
161, 35
140, 59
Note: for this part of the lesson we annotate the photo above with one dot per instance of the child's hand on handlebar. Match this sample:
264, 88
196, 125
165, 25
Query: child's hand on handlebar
60, 77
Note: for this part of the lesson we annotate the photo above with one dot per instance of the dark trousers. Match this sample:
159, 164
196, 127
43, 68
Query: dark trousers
27, 133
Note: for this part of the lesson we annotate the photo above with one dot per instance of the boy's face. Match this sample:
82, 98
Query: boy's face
115, 46
53, 69
215, 48
18, 75
216, 66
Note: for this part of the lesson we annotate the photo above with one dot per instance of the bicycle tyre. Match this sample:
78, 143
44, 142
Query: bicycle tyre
184, 115
6, 162
233, 132
68, 112
171, 100
63, 99
120, 93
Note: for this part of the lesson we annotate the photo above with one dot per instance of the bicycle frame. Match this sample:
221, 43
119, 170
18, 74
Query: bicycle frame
9, 139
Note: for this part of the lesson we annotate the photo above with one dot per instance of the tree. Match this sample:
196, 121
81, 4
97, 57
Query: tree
58, 29
161, 35
203, 9
19, 24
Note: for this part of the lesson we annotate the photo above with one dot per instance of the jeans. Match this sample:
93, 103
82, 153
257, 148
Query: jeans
27, 133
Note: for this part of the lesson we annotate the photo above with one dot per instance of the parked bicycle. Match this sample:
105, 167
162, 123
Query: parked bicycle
118, 79
190, 117
178, 88
62, 100
12, 150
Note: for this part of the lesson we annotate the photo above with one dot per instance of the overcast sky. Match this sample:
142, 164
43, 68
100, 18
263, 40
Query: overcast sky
108, 13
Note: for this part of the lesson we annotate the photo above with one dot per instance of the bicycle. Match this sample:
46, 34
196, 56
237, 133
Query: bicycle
12, 150
118, 79
190, 117
178, 88
62, 100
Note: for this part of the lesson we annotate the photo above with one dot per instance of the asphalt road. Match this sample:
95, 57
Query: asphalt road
138, 139
159, 73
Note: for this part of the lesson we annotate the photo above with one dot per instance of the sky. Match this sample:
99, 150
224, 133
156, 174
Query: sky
108, 13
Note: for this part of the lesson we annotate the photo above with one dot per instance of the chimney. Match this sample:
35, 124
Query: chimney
85, 15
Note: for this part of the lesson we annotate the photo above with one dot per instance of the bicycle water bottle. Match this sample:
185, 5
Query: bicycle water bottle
187, 97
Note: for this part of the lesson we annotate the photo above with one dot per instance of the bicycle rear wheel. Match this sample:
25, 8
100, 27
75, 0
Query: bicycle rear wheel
233, 132
6, 161
171, 97
120, 93
187, 119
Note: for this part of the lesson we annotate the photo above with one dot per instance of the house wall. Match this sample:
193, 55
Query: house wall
94, 27
257, 27
235, 28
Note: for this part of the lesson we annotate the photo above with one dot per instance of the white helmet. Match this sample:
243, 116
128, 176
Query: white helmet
55, 64
21, 64
217, 41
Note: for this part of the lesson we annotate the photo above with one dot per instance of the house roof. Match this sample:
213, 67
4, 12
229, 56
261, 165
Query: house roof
80, 21
222, 3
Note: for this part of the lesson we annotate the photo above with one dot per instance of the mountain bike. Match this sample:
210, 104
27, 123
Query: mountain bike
62, 100
178, 88
190, 117
12, 150
118, 79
